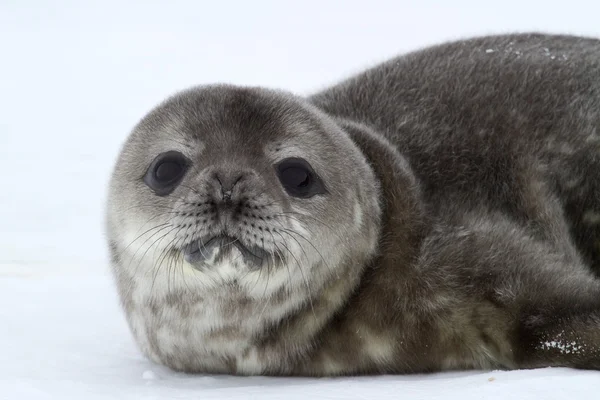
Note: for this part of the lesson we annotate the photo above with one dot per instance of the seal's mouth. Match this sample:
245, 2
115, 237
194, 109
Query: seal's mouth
203, 250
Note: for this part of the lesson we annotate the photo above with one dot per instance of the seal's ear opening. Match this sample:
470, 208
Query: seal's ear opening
166, 172
299, 179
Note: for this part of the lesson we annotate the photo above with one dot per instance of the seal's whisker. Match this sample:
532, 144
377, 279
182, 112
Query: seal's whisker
121, 252
179, 261
291, 232
172, 265
287, 214
281, 256
306, 282
284, 230
267, 281
159, 231
169, 262
265, 299
260, 272
158, 264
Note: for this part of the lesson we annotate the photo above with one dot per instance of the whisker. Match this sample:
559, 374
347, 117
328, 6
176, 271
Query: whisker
290, 232
286, 214
310, 294
120, 253
167, 226
282, 258
164, 253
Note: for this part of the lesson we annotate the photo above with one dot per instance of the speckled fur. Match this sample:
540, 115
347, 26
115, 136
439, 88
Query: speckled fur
459, 230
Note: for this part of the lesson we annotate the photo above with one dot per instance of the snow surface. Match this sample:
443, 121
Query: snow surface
75, 76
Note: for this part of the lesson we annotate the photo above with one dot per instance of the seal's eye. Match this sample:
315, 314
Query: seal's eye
165, 172
298, 178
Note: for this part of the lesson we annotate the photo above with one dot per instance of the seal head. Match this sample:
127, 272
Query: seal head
230, 210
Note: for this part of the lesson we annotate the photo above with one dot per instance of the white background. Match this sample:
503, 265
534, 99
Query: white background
75, 76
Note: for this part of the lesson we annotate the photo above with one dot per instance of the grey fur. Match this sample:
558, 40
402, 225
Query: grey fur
460, 228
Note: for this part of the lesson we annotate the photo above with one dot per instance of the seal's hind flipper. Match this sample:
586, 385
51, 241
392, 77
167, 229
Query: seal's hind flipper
567, 339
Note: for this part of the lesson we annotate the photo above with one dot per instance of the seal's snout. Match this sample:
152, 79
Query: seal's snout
229, 216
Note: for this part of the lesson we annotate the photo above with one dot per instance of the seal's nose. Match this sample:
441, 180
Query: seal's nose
226, 181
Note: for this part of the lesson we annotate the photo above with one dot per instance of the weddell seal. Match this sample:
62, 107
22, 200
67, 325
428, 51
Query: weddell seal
438, 211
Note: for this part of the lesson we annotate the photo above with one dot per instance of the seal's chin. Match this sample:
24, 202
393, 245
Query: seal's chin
204, 251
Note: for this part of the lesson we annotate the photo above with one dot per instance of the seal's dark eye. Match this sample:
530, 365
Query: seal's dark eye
298, 178
165, 172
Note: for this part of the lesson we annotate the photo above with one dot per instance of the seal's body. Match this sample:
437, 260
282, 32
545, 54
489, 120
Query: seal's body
439, 211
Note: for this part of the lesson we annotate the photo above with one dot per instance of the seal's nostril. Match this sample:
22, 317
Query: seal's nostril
227, 180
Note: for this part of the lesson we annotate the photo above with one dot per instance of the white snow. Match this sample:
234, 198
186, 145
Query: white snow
76, 76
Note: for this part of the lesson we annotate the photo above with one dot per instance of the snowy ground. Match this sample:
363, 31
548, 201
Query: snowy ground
75, 76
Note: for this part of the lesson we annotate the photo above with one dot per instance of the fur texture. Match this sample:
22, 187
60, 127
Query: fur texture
459, 229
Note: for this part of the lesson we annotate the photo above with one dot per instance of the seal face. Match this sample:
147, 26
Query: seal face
438, 211
231, 209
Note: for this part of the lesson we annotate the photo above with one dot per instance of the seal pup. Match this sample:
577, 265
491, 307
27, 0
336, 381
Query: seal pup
438, 211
